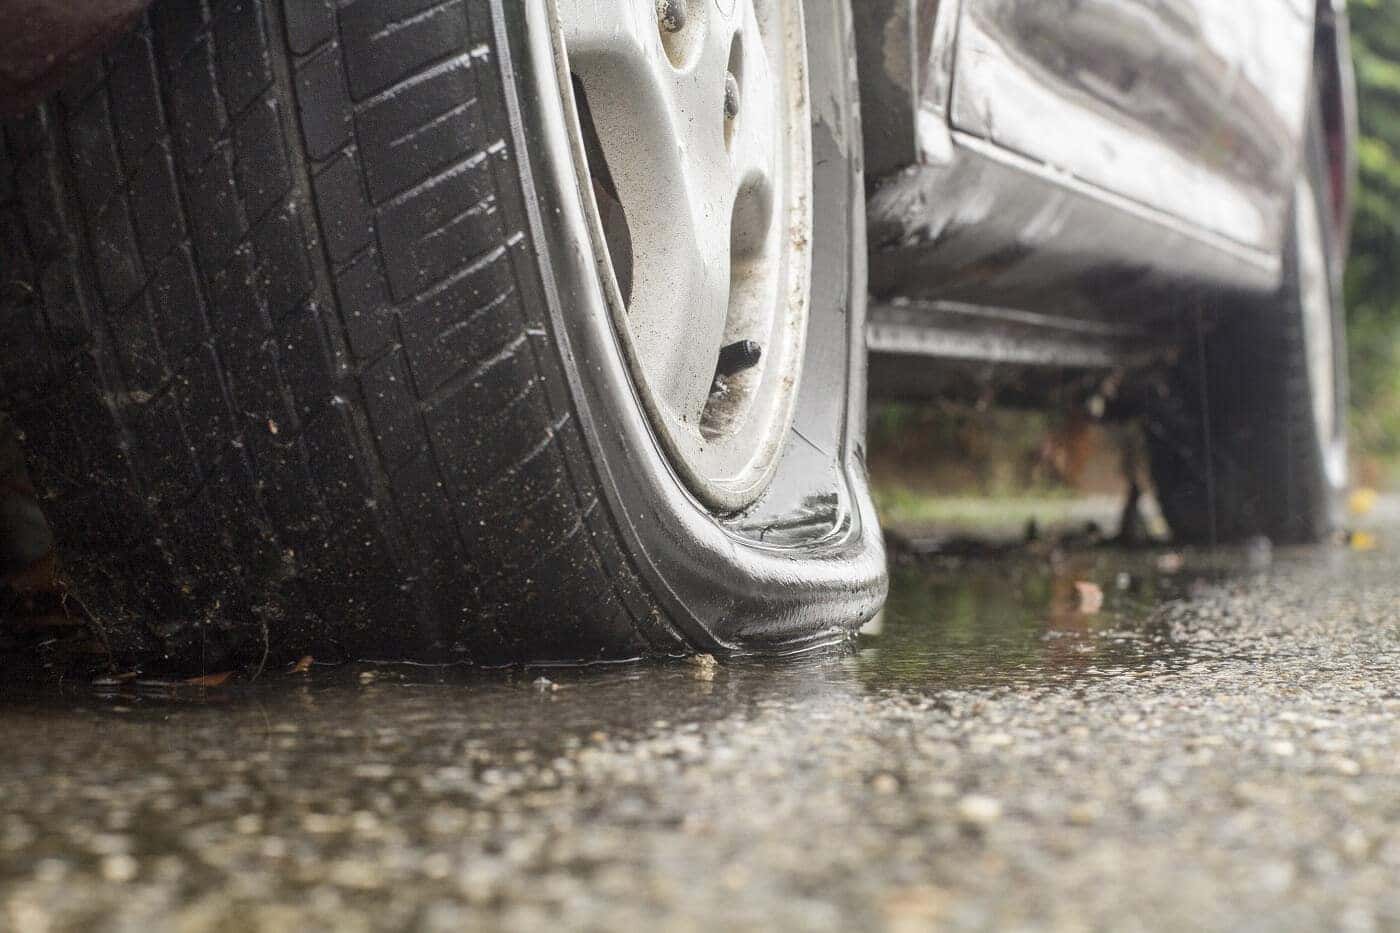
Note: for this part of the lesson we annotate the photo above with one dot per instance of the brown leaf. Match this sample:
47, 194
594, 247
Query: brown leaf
41, 577
304, 665
1090, 597
210, 680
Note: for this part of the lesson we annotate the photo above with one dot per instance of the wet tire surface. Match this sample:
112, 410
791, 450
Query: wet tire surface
274, 352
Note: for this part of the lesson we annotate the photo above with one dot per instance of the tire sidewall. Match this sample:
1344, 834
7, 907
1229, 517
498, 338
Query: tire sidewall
1328, 461
723, 591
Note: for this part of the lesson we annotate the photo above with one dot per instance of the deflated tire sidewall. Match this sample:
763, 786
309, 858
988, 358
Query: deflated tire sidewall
722, 590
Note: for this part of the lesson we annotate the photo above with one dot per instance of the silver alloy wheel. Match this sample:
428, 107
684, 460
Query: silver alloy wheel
1316, 290
693, 135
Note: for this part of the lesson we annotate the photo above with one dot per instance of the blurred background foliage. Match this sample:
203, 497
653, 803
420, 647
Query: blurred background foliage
1373, 276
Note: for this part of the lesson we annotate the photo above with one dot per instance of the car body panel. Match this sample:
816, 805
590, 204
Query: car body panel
1134, 227
1191, 107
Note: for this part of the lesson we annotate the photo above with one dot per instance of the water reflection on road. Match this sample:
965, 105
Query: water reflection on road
960, 623
950, 623
1034, 739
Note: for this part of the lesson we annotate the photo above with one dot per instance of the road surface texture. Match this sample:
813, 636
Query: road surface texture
1217, 747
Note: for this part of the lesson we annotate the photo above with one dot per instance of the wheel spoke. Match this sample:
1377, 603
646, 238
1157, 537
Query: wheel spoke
608, 30
680, 304
752, 148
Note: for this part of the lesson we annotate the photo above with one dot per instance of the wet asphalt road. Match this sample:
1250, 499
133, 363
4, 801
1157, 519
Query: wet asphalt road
1218, 748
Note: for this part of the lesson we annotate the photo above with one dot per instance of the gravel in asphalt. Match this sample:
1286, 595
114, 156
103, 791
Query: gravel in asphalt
1217, 748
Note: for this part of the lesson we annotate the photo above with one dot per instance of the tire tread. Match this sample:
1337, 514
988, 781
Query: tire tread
283, 355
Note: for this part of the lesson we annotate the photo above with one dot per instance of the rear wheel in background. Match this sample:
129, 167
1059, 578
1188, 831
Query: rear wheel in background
1252, 440
484, 330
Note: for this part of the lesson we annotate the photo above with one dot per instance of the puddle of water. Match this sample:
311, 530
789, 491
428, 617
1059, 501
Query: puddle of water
1021, 620
949, 625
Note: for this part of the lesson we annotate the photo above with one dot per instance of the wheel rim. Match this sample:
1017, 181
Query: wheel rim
693, 138
1320, 334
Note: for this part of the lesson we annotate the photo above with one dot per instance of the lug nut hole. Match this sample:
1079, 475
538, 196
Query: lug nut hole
671, 15
681, 25
733, 83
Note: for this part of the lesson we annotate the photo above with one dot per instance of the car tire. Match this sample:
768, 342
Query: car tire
307, 342
1249, 438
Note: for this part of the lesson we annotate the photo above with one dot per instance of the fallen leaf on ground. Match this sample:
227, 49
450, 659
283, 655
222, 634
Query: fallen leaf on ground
112, 680
304, 665
1090, 597
1363, 541
210, 680
42, 576
1362, 501
705, 666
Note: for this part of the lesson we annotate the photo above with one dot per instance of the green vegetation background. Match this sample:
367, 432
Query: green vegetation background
1373, 277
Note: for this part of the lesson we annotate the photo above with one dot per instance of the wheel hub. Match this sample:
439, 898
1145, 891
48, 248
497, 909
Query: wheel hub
694, 143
